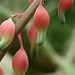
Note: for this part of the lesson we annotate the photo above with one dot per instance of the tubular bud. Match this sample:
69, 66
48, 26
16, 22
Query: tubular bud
20, 61
32, 33
7, 32
41, 21
63, 6
32, 36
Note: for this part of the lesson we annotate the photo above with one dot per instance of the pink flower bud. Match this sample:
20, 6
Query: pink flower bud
20, 61
32, 36
7, 32
30, 2
41, 21
1, 71
63, 6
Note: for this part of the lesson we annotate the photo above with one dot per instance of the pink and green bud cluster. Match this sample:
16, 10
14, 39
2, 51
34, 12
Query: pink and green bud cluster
37, 30
63, 6
7, 32
1, 71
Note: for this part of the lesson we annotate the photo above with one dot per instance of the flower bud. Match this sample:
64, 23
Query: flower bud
63, 6
7, 32
32, 36
1, 71
20, 61
41, 21
30, 2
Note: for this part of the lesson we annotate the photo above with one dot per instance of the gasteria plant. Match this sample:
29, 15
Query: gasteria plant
20, 60
7, 32
32, 36
1, 71
63, 6
41, 21
36, 35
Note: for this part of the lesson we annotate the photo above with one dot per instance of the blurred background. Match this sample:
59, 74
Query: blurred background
59, 36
